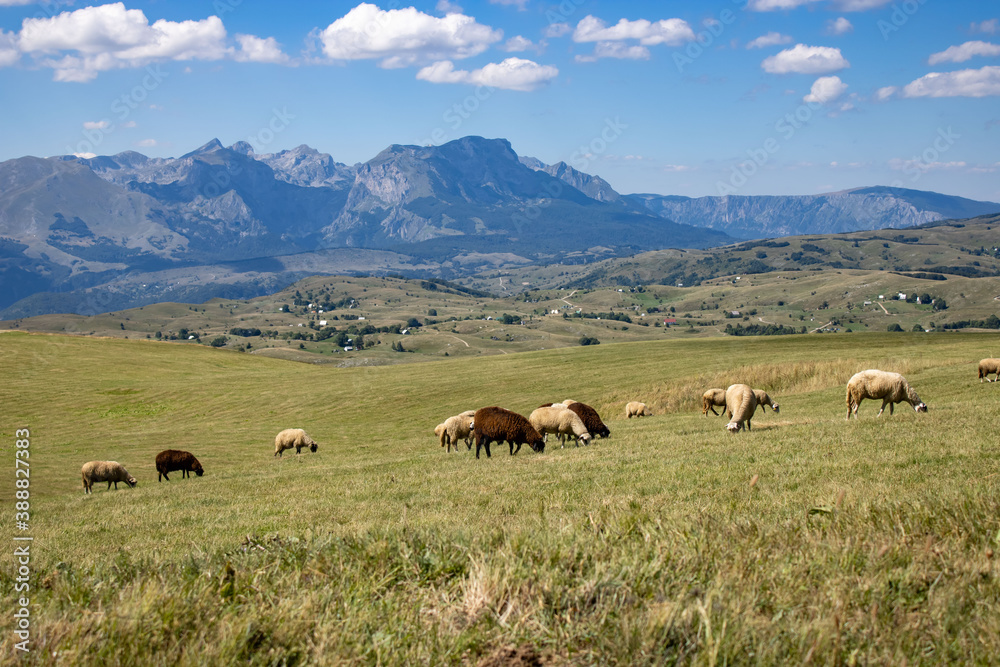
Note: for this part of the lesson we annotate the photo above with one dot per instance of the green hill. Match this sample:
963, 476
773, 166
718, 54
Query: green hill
809, 538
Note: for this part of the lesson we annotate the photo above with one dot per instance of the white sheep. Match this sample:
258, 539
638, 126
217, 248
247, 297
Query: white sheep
711, 399
764, 401
293, 437
457, 428
892, 388
105, 471
636, 409
740, 404
987, 366
560, 420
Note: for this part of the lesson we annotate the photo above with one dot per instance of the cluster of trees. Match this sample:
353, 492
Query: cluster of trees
587, 340
762, 330
991, 322
620, 317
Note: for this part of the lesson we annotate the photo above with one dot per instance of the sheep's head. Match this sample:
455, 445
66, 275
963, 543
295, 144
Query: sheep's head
921, 407
313, 447
130, 480
585, 438
774, 406
198, 470
605, 432
537, 443
734, 427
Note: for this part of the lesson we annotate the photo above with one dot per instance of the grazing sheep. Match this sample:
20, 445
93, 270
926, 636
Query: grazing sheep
174, 459
495, 424
457, 428
559, 420
764, 401
293, 437
740, 404
892, 388
439, 431
105, 471
636, 409
987, 366
591, 419
711, 399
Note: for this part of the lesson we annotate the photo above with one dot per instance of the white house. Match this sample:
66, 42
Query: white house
322, 323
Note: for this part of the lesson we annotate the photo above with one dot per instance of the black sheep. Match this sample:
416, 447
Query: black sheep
495, 424
174, 459
591, 419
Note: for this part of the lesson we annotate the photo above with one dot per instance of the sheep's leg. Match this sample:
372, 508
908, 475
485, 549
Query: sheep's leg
882, 409
165, 475
481, 441
891, 405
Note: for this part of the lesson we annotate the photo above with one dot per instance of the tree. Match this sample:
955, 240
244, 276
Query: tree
432, 312
220, 341
894, 327
586, 340
917, 327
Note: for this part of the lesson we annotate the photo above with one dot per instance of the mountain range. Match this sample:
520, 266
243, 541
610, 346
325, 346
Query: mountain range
101, 233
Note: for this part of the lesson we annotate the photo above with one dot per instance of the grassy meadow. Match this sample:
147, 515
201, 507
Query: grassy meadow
810, 539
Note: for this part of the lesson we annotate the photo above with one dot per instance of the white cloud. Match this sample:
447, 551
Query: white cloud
129, 123
859, 5
520, 4
615, 50
111, 37
802, 59
882, 94
990, 27
401, 37
511, 74
8, 49
839, 26
901, 164
842, 5
558, 30
770, 39
85, 156
96, 124
146, 143
518, 43
668, 31
14, 3
258, 50
984, 82
448, 7
826, 89
772, 5
963, 52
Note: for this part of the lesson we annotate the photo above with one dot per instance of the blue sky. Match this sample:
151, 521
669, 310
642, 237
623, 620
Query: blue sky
690, 98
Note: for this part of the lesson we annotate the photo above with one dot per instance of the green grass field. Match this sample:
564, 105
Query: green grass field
808, 540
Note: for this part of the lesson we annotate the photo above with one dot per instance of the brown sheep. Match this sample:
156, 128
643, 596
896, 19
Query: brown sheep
170, 460
591, 419
711, 399
495, 424
987, 366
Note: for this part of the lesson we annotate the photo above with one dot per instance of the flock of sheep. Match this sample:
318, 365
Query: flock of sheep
569, 419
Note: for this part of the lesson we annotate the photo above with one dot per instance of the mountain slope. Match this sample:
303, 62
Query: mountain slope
833, 213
